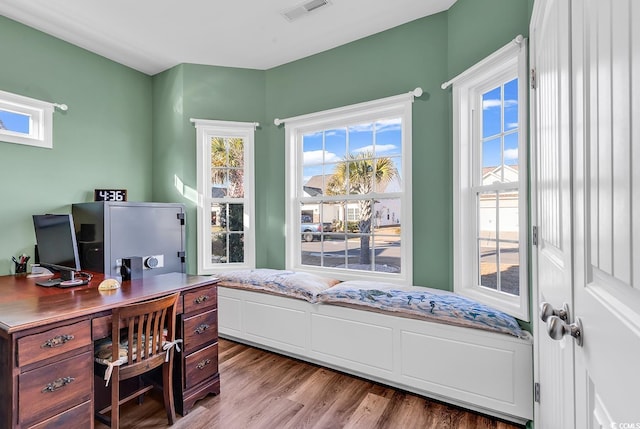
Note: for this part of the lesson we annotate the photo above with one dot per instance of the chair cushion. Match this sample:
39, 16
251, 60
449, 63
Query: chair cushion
103, 350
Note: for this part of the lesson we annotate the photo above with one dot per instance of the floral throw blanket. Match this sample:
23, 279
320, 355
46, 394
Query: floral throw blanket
279, 282
423, 303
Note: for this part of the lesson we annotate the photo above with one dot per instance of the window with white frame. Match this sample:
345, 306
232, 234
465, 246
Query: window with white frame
226, 237
490, 181
349, 191
25, 120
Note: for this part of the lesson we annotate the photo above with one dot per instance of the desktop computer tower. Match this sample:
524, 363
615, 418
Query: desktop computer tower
109, 232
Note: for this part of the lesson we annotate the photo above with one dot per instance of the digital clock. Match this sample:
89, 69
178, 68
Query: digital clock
110, 195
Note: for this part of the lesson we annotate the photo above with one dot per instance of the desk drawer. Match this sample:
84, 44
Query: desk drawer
200, 330
78, 417
54, 388
201, 365
200, 299
53, 342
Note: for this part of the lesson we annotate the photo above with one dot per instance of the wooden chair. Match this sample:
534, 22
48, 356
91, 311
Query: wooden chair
152, 325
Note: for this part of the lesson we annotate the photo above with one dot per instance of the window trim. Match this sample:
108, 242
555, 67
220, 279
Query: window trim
399, 105
41, 123
205, 130
511, 60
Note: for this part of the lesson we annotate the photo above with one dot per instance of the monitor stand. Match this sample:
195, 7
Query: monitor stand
66, 275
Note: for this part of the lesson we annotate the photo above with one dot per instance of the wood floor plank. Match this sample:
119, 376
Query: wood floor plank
368, 412
347, 400
262, 390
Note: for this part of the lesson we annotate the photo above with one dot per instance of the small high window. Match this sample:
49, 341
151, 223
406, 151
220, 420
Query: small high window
25, 120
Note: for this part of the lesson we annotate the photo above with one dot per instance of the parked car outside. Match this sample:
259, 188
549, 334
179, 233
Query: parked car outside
310, 230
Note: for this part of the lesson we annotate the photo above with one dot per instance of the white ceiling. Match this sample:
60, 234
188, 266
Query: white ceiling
154, 35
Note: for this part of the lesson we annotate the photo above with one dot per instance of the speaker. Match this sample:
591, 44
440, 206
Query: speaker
91, 256
131, 268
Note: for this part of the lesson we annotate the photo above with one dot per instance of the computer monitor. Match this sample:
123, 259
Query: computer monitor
57, 246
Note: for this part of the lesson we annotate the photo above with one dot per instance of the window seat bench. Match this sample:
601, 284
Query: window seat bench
429, 342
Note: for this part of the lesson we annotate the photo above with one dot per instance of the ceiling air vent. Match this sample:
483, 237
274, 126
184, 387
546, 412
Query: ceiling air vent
304, 9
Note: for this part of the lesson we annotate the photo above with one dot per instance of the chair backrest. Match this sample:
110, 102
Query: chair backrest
148, 325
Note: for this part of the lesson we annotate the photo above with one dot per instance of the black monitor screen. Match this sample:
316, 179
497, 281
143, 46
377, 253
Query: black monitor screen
56, 239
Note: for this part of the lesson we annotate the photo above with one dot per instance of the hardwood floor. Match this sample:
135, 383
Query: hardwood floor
262, 390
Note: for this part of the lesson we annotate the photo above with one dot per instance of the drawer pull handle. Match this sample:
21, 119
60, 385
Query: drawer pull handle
57, 384
57, 341
203, 363
201, 299
200, 329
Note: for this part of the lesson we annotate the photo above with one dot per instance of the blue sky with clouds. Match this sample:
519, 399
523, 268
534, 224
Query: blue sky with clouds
382, 138
16, 122
500, 125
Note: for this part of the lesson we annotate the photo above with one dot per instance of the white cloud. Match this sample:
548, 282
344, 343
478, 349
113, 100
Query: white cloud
379, 148
388, 124
510, 154
488, 104
512, 125
316, 157
360, 128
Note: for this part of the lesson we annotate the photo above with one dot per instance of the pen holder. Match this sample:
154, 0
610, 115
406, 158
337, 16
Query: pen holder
21, 267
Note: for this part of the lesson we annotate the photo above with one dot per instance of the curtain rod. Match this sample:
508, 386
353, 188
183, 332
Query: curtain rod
22, 99
517, 42
215, 122
414, 93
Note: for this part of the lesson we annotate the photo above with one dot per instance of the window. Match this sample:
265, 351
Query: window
24, 120
349, 191
225, 195
490, 181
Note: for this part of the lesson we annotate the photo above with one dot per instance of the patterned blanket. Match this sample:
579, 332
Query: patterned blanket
416, 302
292, 284
423, 303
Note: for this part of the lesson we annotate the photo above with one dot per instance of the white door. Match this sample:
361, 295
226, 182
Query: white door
551, 150
606, 100
590, 160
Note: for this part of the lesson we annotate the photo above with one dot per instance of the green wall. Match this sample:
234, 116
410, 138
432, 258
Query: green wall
389, 63
478, 28
102, 141
126, 129
201, 92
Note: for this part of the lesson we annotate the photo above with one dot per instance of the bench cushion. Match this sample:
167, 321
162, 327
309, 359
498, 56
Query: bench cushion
422, 303
292, 284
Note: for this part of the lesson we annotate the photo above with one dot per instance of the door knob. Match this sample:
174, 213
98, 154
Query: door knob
557, 329
547, 310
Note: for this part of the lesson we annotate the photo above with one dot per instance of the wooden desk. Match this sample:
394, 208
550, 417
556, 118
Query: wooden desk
46, 345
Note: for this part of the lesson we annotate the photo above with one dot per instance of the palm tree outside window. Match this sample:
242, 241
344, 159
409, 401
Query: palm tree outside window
226, 233
350, 192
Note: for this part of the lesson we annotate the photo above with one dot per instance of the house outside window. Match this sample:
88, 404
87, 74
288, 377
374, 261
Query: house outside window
226, 237
347, 168
490, 181
25, 120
